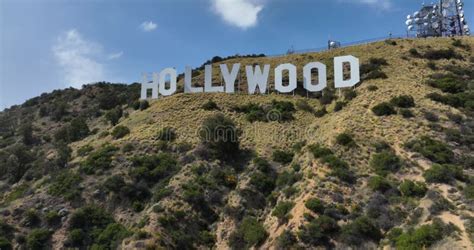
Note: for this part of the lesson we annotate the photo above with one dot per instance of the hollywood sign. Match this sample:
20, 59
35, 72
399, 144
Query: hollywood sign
164, 83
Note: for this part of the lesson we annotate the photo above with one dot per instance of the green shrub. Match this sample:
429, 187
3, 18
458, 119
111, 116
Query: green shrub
38, 239
31, 218
449, 84
372, 69
360, 230
321, 112
84, 150
350, 94
319, 151
422, 237
210, 105
412, 189
280, 111
379, 183
282, 209
414, 52
76, 130
114, 184
286, 240
432, 117
283, 157
315, 205
220, 135
345, 139
120, 132
339, 105
249, 233
262, 182
6, 230
76, 237
403, 101
372, 88
5, 243
262, 164
153, 168
303, 105
144, 105
53, 218
100, 159
447, 54
91, 225
167, 134
287, 178
66, 184
385, 162
406, 113
114, 115
469, 191
318, 231
443, 173
432, 149
376, 74
383, 109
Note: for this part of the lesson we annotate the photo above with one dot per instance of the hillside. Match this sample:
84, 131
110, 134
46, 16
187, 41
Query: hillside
387, 164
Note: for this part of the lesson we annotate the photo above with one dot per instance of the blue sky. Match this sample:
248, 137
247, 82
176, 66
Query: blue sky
55, 44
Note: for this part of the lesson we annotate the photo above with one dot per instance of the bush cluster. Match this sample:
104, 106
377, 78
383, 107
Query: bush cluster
423, 236
166, 134
120, 132
385, 162
379, 183
153, 168
345, 139
384, 109
264, 178
282, 209
210, 105
403, 101
445, 173
339, 168
66, 185
432, 149
248, 234
315, 205
100, 159
359, 231
280, 111
76, 130
91, 226
412, 189
283, 157
373, 69
318, 231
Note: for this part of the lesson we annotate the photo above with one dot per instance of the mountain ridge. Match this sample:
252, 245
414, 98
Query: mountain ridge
172, 189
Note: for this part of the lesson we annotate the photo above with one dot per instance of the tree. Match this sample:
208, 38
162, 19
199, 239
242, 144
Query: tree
26, 133
114, 115
221, 136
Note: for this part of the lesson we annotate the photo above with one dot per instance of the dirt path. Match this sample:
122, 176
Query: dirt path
464, 242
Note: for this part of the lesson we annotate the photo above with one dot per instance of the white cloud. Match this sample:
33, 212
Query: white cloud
148, 26
381, 4
240, 13
77, 57
114, 56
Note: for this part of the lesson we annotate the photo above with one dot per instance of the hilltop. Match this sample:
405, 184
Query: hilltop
387, 164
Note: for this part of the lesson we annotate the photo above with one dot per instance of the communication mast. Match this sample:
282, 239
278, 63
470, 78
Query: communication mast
443, 19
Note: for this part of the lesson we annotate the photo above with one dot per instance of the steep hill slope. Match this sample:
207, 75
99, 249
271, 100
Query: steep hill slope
386, 164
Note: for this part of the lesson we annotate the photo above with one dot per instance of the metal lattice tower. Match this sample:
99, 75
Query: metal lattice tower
443, 19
